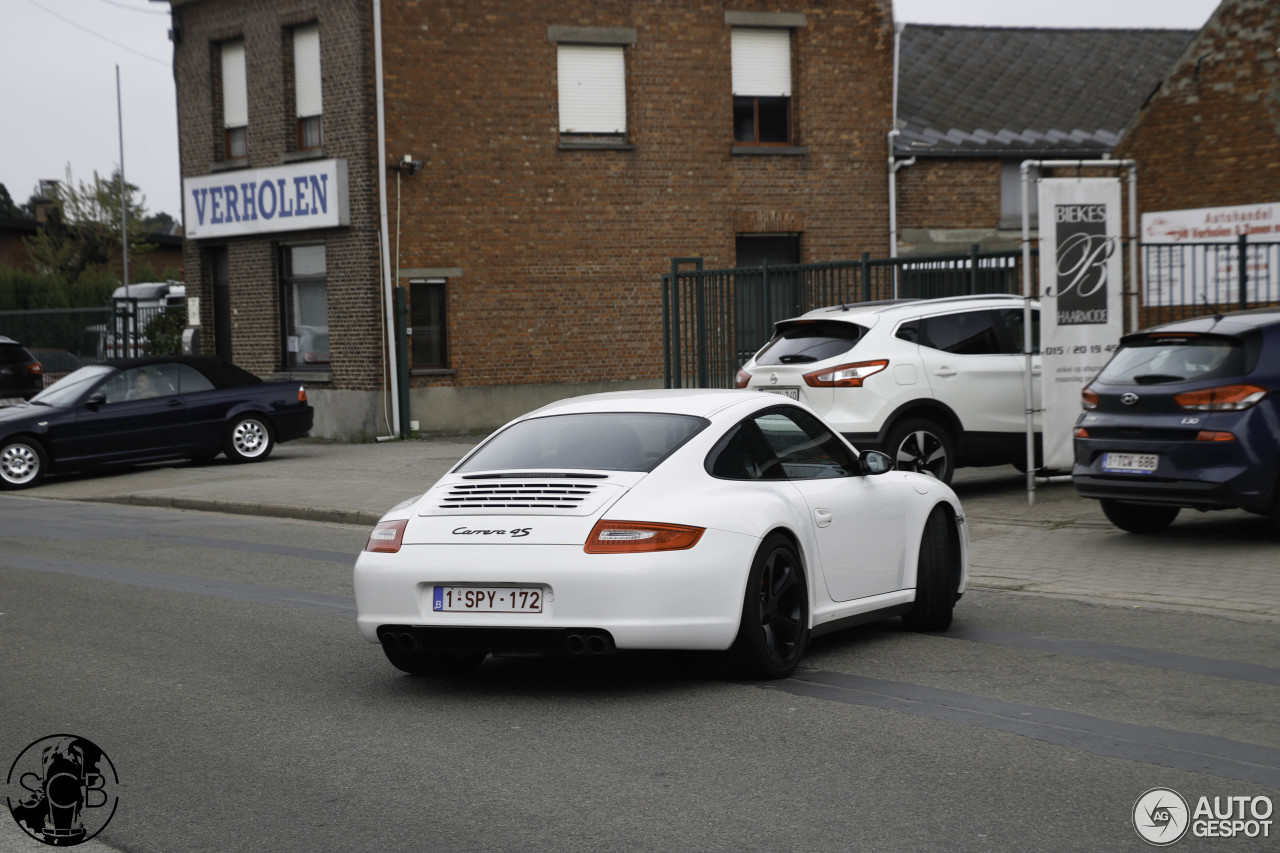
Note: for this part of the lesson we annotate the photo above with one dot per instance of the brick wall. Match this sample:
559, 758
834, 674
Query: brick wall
352, 271
955, 193
1210, 136
562, 251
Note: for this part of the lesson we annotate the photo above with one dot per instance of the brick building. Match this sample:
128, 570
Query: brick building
539, 166
1209, 136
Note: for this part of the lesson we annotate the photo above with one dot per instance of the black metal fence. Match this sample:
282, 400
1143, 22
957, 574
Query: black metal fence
714, 320
66, 338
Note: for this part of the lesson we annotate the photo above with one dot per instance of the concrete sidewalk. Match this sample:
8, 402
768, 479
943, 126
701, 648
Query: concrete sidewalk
1222, 562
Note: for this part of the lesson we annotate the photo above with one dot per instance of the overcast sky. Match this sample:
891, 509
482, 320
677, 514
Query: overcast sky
58, 63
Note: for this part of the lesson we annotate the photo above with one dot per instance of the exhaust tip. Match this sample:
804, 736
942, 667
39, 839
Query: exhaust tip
597, 645
575, 644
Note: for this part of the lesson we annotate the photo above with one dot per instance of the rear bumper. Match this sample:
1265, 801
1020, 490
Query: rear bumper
293, 424
1190, 474
668, 600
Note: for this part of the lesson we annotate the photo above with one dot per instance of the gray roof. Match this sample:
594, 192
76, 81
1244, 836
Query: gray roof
1005, 92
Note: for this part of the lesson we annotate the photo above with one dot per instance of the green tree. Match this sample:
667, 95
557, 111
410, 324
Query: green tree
87, 229
9, 210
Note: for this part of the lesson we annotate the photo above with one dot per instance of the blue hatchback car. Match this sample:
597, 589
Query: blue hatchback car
1186, 414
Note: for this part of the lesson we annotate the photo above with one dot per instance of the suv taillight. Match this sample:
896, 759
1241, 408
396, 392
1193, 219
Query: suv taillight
35, 369
742, 379
1088, 399
846, 375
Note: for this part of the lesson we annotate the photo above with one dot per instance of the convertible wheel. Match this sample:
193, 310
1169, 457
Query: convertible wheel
923, 446
437, 662
249, 439
22, 464
775, 613
1139, 518
936, 579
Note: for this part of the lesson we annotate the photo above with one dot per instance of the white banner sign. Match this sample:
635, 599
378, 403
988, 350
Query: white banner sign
311, 194
1081, 298
1178, 269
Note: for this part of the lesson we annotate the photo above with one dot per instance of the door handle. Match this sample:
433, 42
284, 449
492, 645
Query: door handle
174, 403
822, 516
944, 372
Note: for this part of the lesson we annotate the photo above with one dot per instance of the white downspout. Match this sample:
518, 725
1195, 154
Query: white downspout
895, 165
388, 291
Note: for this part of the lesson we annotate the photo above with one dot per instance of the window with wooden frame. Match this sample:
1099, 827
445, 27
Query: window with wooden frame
235, 101
761, 86
306, 86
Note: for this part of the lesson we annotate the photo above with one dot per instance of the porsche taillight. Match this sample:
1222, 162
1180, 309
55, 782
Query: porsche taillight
387, 536
631, 537
1224, 398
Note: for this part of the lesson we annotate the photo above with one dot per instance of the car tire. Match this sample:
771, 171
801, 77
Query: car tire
433, 662
23, 463
923, 446
249, 439
1139, 518
936, 578
774, 629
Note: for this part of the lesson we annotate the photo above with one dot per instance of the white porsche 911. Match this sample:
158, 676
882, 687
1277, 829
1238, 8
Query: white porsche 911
698, 519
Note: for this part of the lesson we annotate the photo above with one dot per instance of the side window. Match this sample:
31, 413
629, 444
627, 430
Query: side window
235, 101
1009, 322
761, 72
806, 448
191, 380
910, 331
141, 383
967, 333
743, 454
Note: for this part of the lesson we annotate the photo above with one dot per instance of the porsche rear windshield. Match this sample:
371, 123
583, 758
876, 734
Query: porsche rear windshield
1161, 359
599, 441
805, 341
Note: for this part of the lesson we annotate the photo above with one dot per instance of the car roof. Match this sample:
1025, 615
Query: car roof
222, 373
1232, 323
696, 402
890, 308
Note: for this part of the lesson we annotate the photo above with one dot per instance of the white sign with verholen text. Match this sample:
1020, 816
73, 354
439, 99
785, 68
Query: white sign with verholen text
306, 195
1081, 299
1180, 269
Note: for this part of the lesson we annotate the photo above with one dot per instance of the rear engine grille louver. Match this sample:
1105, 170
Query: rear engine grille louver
531, 495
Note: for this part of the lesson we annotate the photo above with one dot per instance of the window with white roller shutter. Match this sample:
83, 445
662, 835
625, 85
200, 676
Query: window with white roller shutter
235, 101
592, 89
306, 85
761, 85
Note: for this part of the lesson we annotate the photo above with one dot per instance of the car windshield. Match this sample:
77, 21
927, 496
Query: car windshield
805, 341
601, 441
70, 388
1157, 360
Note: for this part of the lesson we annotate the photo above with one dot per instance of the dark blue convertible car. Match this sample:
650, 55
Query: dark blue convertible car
147, 409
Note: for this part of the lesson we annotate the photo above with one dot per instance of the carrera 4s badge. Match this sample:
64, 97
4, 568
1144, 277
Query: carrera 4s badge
514, 533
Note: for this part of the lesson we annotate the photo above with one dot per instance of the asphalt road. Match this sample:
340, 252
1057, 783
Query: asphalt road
214, 658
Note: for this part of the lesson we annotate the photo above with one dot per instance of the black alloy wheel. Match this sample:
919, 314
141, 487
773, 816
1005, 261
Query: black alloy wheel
774, 630
922, 446
936, 577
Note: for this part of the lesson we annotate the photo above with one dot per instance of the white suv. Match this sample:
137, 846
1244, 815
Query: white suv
935, 383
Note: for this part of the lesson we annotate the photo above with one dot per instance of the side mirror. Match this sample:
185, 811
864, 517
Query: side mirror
94, 400
875, 462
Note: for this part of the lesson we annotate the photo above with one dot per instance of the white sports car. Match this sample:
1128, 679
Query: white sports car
701, 520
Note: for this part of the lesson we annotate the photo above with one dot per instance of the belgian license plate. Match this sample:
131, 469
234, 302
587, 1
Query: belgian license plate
1130, 463
793, 393
486, 599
